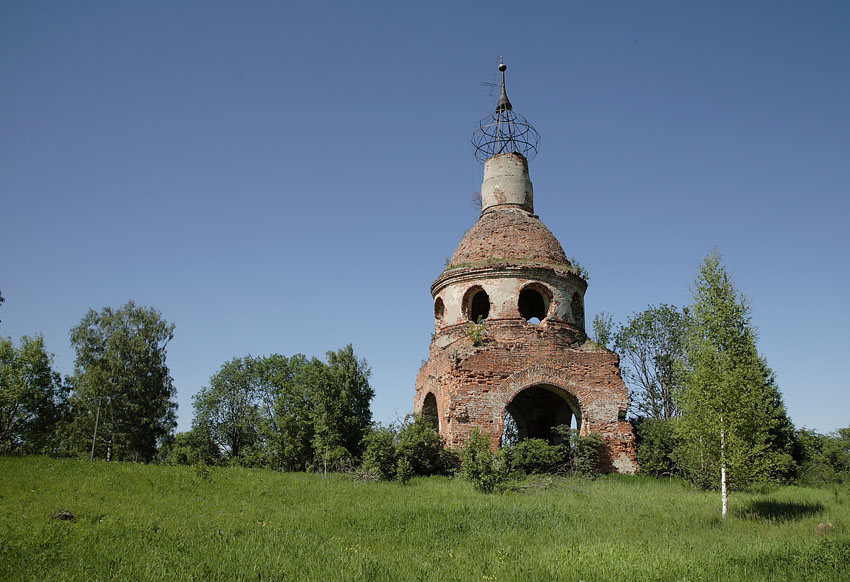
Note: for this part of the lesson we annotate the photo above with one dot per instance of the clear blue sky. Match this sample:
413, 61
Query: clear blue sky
281, 177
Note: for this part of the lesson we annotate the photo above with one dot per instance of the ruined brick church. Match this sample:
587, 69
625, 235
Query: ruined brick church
509, 320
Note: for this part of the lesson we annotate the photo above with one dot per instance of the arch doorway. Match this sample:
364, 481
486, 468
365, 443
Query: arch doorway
429, 410
535, 411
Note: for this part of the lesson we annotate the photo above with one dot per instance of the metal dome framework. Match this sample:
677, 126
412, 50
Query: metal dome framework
504, 131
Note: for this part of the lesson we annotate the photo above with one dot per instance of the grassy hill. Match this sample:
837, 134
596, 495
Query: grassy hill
142, 522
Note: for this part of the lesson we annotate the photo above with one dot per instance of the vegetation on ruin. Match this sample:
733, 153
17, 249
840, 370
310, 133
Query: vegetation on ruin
476, 332
72, 520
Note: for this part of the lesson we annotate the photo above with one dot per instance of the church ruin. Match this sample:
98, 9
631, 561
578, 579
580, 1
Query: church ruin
509, 320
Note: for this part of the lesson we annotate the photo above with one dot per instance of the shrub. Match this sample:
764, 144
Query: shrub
423, 447
581, 453
534, 456
479, 465
585, 454
380, 458
404, 470
656, 445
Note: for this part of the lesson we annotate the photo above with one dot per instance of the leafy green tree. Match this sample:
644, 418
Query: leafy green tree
823, 458
603, 328
341, 413
734, 423
123, 402
192, 447
288, 413
288, 428
651, 347
33, 398
229, 410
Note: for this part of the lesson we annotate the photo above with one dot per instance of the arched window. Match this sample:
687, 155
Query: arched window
429, 410
533, 303
476, 304
439, 309
577, 307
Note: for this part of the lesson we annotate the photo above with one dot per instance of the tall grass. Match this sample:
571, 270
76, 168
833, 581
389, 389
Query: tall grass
143, 522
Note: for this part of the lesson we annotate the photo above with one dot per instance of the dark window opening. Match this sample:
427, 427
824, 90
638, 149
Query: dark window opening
439, 309
532, 306
577, 307
479, 307
429, 411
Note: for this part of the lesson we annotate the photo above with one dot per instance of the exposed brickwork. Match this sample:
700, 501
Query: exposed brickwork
508, 233
508, 250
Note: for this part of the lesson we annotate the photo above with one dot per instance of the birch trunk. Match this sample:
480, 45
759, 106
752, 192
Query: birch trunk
723, 492
94, 436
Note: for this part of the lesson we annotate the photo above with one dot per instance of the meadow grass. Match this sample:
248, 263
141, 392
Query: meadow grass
145, 522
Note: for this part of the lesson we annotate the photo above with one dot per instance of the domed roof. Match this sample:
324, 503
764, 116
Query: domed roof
508, 235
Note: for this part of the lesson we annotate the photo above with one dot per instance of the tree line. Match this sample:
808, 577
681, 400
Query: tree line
119, 403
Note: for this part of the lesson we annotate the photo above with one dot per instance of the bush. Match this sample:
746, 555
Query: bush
404, 470
479, 464
584, 457
423, 447
656, 445
534, 456
380, 458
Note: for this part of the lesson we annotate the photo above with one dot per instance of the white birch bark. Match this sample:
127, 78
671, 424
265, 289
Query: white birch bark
723, 492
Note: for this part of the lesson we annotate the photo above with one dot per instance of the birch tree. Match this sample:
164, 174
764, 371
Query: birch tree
734, 426
123, 403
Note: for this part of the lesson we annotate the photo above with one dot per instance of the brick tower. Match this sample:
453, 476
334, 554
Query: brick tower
509, 320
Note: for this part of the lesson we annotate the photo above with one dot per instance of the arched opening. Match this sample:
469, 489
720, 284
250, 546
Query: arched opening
535, 411
533, 303
439, 309
577, 307
429, 410
476, 304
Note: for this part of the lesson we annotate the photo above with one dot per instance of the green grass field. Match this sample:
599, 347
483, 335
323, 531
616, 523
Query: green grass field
142, 522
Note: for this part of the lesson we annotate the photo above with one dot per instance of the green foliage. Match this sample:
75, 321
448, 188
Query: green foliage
229, 410
122, 383
603, 328
380, 457
578, 269
33, 398
730, 393
153, 523
533, 456
823, 459
288, 413
651, 347
404, 470
584, 451
413, 449
476, 332
340, 404
480, 465
656, 446
423, 447
192, 447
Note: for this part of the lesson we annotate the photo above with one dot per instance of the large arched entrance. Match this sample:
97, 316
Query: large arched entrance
429, 411
533, 412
